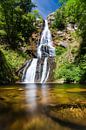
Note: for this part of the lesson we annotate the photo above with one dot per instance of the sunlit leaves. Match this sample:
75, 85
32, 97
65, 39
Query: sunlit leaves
16, 18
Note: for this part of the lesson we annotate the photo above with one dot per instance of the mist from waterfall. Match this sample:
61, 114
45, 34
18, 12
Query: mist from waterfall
38, 69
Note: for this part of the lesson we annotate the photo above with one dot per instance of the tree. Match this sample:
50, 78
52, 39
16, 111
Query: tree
16, 20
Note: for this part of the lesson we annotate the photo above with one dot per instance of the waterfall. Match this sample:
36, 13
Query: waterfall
31, 71
40, 64
25, 69
46, 45
44, 70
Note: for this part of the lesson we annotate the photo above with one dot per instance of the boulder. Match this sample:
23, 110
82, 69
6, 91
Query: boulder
63, 44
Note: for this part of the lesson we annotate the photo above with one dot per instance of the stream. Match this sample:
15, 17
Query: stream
43, 107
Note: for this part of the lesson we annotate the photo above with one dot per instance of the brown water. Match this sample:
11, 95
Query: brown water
43, 107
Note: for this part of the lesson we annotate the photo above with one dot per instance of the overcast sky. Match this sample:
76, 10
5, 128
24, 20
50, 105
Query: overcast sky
46, 7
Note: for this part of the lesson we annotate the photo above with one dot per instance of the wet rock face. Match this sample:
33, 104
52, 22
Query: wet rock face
52, 66
45, 50
35, 38
39, 70
50, 69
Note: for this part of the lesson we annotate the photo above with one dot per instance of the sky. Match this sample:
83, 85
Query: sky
46, 7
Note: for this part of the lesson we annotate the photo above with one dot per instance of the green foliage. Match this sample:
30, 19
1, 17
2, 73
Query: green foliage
10, 62
69, 72
59, 22
37, 15
6, 75
14, 58
3, 33
60, 50
17, 21
83, 68
74, 12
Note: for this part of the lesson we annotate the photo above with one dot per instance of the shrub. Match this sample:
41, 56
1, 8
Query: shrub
60, 50
69, 72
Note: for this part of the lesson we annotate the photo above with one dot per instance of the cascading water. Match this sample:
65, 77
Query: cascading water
31, 71
44, 71
46, 44
38, 70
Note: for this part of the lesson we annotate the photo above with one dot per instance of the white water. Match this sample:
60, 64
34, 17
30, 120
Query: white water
31, 72
44, 71
46, 42
24, 71
45, 50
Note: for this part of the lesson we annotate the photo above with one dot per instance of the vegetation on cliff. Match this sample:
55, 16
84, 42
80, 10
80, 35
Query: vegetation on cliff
18, 25
69, 23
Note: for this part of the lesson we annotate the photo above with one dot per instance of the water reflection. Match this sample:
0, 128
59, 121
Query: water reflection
44, 92
31, 93
34, 92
